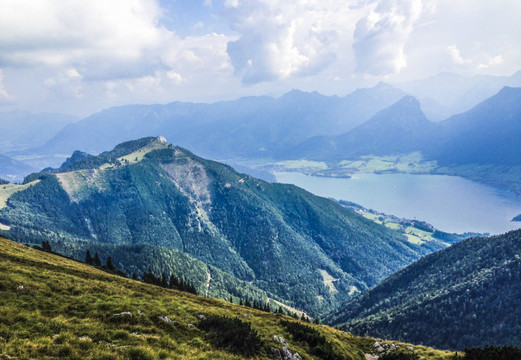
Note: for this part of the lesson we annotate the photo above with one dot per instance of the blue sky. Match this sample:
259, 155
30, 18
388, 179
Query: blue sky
81, 56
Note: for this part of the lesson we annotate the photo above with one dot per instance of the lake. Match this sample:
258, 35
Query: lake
449, 203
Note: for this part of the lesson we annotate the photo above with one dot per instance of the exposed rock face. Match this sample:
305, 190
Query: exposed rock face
285, 353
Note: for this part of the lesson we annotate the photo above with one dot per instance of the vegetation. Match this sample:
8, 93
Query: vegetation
464, 296
493, 353
147, 204
53, 307
232, 334
316, 342
399, 355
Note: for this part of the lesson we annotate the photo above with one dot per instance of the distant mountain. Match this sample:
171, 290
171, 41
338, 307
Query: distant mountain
13, 170
489, 133
21, 130
253, 127
400, 128
447, 94
464, 296
150, 204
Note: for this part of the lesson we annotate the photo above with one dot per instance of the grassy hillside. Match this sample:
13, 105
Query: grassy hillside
148, 204
66, 310
465, 296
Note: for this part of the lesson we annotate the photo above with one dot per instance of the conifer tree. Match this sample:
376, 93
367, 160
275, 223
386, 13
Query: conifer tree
88, 258
96, 260
109, 265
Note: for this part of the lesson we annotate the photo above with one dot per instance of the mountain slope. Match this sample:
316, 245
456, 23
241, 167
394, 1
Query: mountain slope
400, 128
13, 170
304, 250
464, 296
22, 130
247, 127
52, 307
487, 134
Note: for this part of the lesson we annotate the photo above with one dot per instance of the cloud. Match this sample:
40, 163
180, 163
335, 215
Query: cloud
380, 37
455, 55
3, 92
280, 40
122, 35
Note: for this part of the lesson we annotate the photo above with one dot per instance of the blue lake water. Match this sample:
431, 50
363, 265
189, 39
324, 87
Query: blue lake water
449, 203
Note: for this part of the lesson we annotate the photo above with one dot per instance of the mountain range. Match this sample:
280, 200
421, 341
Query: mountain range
149, 204
252, 127
467, 295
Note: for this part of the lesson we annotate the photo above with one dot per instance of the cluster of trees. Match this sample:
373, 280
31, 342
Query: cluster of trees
173, 283
464, 296
232, 334
109, 265
258, 305
491, 353
317, 342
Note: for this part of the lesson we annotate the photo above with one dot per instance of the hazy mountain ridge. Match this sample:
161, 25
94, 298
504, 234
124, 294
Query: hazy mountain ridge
306, 250
398, 129
250, 127
13, 170
22, 130
464, 296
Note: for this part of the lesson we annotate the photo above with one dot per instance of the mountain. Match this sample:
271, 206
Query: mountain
464, 296
13, 170
53, 307
447, 94
489, 133
400, 128
149, 204
252, 127
22, 130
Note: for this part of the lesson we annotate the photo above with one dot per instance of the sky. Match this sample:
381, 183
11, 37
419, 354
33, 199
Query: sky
78, 57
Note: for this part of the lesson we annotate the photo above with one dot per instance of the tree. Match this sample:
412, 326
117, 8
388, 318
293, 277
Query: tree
109, 265
88, 258
96, 260
46, 246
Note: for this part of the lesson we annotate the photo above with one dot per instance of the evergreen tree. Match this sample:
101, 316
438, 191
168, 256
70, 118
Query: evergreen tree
88, 258
164, 283
231, 299
134, 276
174, 282
109, 265
46, 246
247, 303
96, 260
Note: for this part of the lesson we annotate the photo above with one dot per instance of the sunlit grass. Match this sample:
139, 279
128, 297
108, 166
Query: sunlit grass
66, 310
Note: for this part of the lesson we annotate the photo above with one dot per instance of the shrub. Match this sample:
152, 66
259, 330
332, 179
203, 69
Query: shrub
232, 334
399, 355
493, 353
316, 342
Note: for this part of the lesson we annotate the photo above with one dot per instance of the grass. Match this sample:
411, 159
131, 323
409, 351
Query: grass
7, 190
66, 310
303, 164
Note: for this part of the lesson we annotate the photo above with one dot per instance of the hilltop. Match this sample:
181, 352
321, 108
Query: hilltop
148, 204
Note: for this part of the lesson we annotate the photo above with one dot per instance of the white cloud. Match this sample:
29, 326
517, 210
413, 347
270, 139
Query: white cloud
279, 40
3, 92
381, 36
119, 34
231, 3
455, 55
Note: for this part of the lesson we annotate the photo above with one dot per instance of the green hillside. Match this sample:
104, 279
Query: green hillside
465, 296
52, 307
148, 204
